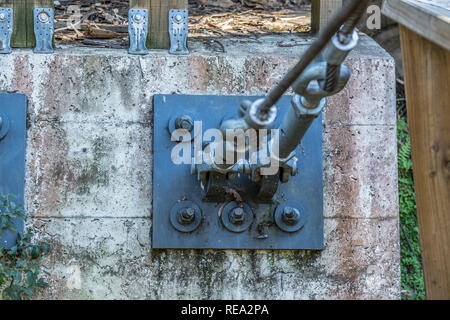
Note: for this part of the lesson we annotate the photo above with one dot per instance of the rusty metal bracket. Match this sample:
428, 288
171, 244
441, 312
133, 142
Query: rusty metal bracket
43, 29
138, 31
178, 31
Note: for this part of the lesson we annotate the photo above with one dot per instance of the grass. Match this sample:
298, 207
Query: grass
411, 265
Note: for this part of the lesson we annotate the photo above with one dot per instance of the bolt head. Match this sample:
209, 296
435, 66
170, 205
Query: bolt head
237, 215
43, 17
186, 125
291, 215
188, 212
178, 18
2, 16
238, 212
184, 122
137, 17
289, 212
187, 215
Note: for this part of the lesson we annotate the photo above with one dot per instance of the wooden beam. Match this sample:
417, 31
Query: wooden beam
321, 12
427, 73
431, 21
159, 19
23, 31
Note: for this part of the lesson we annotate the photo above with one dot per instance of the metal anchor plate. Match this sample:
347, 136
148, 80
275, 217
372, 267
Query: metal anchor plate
138, 30
260, 226
178, 31
6, 28
12, 154
43, 29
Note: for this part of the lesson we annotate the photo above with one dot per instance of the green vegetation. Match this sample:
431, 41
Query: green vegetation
411, 267
21, 264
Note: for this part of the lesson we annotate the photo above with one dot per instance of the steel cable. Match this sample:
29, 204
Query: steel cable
343, 15
344, 35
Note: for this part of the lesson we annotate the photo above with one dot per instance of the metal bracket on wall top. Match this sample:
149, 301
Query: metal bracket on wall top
178, 31
6, 28
138, 30
43, 30
13, 110
184, 217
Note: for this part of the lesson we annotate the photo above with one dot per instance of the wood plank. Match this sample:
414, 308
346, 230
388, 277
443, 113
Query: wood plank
322, 11
431, 21
427, 74
159, 19
23, 33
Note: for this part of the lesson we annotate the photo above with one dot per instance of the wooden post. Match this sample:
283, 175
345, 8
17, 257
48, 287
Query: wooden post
158, 37
425, 40
321, 12
23, 31
427, 73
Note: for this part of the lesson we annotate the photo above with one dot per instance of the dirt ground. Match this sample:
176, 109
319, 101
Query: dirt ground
104, 23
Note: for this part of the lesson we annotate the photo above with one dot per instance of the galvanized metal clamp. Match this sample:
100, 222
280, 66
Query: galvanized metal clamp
178, 31
6, 28
43, 30
138, 30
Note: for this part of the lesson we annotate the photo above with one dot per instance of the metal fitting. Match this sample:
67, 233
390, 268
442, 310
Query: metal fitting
6, 29
184, 122
138, 18
43, 29
178, 18
187, 215
290, 218
336, 51
138, 30
258, 120
302, 107
237, 216
1, 123
43, 17
178, 31
307, 85
291, 215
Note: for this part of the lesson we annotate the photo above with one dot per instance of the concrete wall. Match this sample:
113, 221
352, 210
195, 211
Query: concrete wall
89, 174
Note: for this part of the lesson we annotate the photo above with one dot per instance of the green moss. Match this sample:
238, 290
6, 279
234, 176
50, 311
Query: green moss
411, 268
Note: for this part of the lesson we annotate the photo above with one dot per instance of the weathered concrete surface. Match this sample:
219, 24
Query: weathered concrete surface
89, 174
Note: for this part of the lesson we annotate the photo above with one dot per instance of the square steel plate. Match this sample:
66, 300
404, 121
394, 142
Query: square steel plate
13, 111
173, 184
